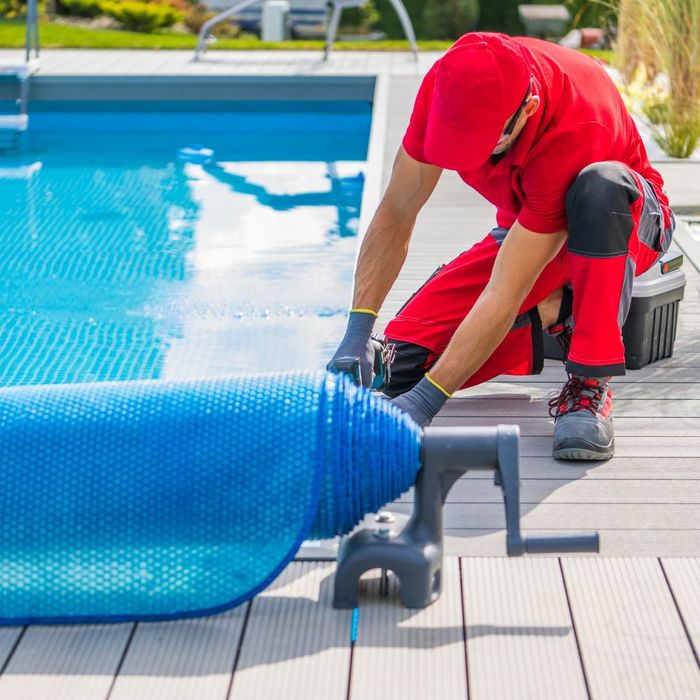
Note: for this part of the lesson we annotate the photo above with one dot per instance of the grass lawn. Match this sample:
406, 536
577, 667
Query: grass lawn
62, 36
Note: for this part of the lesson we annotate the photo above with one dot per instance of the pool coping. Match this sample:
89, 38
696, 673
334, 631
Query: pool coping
95, 88
374, 169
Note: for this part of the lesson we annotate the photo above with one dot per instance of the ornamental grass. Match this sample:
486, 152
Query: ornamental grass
663, 36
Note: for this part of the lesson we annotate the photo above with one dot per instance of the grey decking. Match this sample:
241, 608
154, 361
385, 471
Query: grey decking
581, 627
607, 628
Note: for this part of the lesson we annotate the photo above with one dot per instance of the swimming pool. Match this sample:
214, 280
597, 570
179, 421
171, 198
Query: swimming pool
177, 243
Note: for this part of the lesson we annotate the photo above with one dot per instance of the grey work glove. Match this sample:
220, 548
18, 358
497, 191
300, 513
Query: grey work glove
422, 402
356, 343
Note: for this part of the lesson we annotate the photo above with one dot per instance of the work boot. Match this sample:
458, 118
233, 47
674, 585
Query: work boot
583, 424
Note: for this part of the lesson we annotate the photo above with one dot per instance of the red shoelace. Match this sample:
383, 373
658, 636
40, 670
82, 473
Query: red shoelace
578, 394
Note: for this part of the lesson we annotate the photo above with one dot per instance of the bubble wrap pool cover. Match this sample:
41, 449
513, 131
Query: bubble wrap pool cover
155, 500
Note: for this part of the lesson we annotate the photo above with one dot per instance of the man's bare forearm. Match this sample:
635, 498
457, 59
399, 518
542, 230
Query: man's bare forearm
382, 256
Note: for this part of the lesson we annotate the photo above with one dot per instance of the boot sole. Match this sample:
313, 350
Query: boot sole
578, 454
584, 452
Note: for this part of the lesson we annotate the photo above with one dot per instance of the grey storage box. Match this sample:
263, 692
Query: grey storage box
650, 329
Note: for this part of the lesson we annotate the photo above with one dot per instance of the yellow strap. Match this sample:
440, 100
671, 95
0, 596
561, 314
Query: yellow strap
435, 384
364, 311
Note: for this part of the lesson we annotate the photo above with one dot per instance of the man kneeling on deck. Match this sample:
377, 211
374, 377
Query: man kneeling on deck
541, 132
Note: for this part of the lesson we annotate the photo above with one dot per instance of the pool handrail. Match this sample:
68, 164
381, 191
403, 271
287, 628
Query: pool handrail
32, 31
338, 7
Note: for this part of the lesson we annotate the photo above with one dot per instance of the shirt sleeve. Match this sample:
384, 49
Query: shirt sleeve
414, 138
549, 175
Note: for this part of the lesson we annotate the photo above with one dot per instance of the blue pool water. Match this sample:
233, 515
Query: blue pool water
123, 256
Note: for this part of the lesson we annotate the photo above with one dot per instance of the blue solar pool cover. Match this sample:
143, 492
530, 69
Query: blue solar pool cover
153, 500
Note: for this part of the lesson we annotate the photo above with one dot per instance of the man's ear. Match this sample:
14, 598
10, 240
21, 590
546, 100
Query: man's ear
532, 105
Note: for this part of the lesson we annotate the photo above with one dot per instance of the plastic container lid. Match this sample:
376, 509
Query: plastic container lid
652, 282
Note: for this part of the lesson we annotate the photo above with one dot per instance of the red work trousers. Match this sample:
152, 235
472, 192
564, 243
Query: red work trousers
617, 230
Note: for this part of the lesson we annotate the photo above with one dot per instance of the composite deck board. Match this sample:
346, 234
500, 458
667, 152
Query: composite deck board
683, 576
508, 407
520, 638
181, 660
641, 446
662, 371
405, 654
65, 663
295, 644
546, 390
631, 636
537, 491
571, 516
613, 543
9, 637
619, 468
543, 426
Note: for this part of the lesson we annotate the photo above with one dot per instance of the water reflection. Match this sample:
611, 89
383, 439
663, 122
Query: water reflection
131, 270
344, 193
270, 283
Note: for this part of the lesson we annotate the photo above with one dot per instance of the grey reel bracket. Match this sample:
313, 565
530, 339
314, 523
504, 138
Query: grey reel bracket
415, 554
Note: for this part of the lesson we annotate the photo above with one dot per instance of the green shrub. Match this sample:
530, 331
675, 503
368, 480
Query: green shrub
389, 23
360, 20
196, 17
80, 8
680, 135
502, 15
495, 15
12, 9
142, 16
584, 13
449, 19
181, 5
593, 13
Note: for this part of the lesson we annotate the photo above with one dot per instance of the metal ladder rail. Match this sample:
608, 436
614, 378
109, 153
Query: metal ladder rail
12, 126
210, 24
15, 125
32, 32
338, 7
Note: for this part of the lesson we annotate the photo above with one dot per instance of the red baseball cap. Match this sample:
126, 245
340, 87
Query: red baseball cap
479, 84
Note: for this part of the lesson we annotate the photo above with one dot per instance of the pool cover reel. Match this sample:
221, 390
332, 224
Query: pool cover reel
155, 500
158, 500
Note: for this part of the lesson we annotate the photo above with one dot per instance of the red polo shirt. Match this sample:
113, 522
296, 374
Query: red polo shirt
581, 120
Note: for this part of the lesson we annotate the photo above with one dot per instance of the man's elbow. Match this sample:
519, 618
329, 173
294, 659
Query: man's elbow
396, 217
507, 295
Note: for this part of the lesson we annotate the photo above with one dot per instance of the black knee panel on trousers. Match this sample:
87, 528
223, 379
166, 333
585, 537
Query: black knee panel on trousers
598, 210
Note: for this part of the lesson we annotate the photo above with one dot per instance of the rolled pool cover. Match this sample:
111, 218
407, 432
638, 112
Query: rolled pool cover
156, 500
